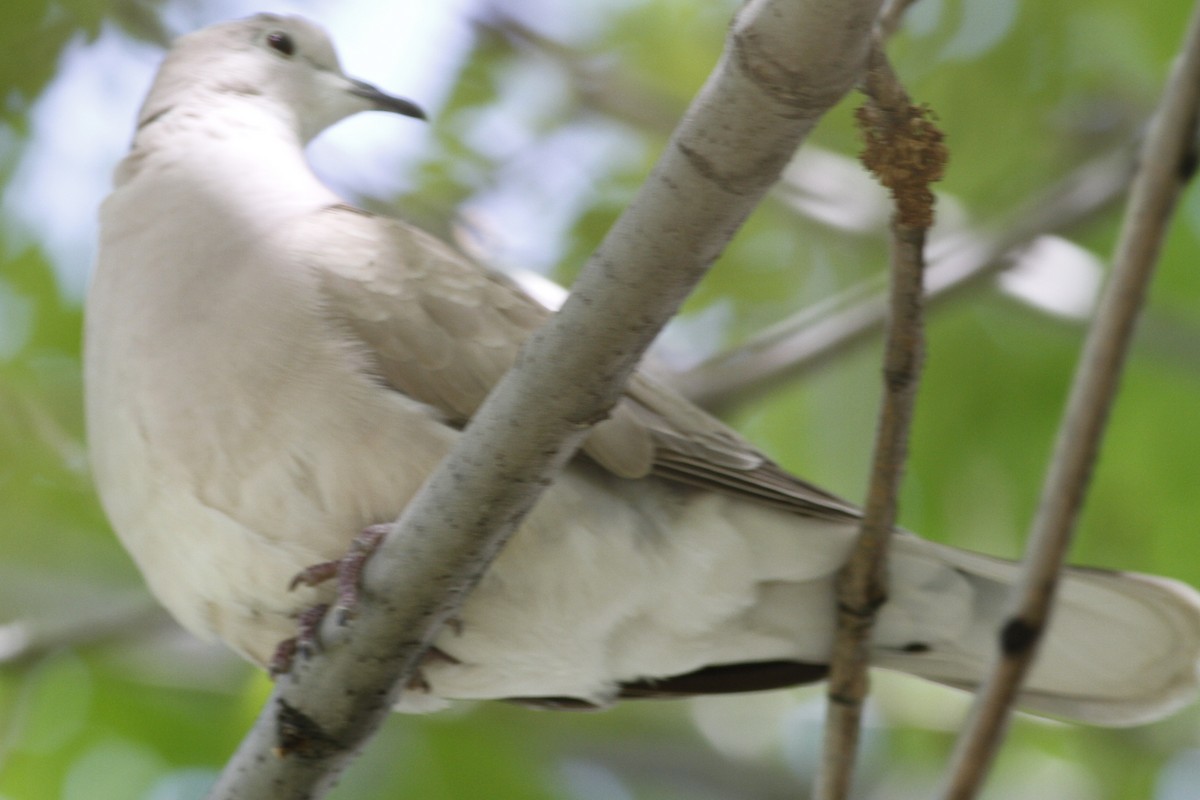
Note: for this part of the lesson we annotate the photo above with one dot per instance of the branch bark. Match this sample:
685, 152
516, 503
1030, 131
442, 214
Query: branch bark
1168, 161
784, 65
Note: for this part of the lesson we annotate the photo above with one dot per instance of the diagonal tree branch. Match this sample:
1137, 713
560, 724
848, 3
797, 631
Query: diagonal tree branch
784, 65
1168, 161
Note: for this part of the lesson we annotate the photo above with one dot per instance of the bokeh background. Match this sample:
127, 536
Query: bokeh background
546, 115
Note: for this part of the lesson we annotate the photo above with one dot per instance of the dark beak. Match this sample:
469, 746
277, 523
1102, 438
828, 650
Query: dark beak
384, 101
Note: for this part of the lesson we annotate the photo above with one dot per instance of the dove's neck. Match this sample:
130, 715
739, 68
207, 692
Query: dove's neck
239, 151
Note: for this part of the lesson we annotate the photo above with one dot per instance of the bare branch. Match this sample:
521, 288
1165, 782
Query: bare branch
24, 641
905, 151
597, 85
958, 262
785, 64
1168, 160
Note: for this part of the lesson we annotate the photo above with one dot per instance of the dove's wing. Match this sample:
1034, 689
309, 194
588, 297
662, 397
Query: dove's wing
438, 327
692, 446
443, 330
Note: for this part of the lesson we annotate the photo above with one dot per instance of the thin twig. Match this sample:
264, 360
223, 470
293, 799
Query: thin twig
1168, 160
597, 83
958, 262
905, 150
25, 641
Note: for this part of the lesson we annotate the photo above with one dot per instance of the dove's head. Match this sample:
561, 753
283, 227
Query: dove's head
286, 65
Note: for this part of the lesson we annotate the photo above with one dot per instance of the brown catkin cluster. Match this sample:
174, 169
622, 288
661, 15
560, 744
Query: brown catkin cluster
907, 152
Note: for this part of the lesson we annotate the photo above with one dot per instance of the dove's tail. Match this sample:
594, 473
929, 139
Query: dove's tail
1121, 648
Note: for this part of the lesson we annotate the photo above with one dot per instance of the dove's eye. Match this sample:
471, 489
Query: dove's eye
281, 42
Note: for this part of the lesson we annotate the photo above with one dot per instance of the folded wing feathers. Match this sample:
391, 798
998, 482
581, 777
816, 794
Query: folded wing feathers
443, 330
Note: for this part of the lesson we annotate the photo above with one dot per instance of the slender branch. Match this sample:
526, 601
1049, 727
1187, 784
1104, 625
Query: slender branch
25, 641
958, 262
597, 84
785, 63
1168, 160
905, 150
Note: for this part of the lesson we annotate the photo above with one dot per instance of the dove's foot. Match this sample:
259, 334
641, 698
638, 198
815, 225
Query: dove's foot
304, 643
347, 569
348, 572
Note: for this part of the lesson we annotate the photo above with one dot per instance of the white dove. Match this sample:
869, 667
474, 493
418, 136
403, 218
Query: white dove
269, 371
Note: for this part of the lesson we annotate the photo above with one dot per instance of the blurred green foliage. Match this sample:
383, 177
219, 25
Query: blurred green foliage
107, 700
